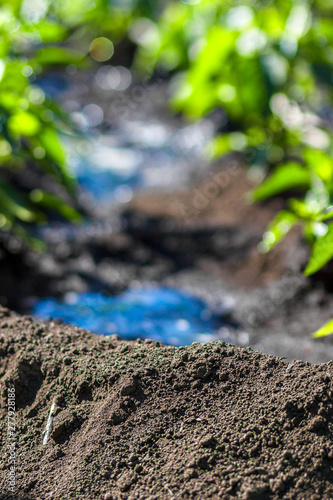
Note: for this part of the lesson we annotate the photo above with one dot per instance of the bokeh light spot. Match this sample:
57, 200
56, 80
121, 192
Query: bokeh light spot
39, 153
5, 148
36, 195
94, 114
240, 17
36, 96
27, 70
227, 93
114, 78
191, 2
101, 49
3, 220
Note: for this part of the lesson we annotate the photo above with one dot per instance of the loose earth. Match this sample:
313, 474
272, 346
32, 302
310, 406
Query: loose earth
139, 420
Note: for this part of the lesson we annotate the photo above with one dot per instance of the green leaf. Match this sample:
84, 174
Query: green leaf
322, 252
325, 330
287, 176
308, 209
235, 141
49, 140
58, 55
277, 230
9, 100
327, 213
300, 208
12, 205
47, 200
321, 164
50, 31
23, 123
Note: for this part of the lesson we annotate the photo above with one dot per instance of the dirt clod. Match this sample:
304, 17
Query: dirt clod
108, 496
128, 387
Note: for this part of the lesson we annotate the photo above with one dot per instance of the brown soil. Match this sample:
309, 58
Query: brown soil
138, 420
227, 205
210, 205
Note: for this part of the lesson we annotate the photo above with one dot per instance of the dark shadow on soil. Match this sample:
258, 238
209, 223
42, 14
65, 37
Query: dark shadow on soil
15, 496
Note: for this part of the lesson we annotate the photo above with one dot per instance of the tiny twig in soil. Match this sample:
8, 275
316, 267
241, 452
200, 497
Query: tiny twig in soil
49, 424
168, 490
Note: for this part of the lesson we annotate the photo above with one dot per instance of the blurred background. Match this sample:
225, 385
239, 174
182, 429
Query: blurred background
166, 169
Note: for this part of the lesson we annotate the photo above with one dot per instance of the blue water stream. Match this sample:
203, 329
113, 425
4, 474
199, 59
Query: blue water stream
146, 152
163, 314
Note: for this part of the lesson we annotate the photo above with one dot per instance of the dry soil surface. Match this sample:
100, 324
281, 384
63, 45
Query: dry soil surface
139, 420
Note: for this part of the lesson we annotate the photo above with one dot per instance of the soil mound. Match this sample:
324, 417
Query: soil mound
139, 420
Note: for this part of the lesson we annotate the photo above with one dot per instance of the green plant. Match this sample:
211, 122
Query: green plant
36, 36
314, 176
30, 120
268, 66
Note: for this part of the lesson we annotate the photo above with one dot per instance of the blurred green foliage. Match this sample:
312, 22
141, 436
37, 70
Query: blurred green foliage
29, 120
37, 35
268, 66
